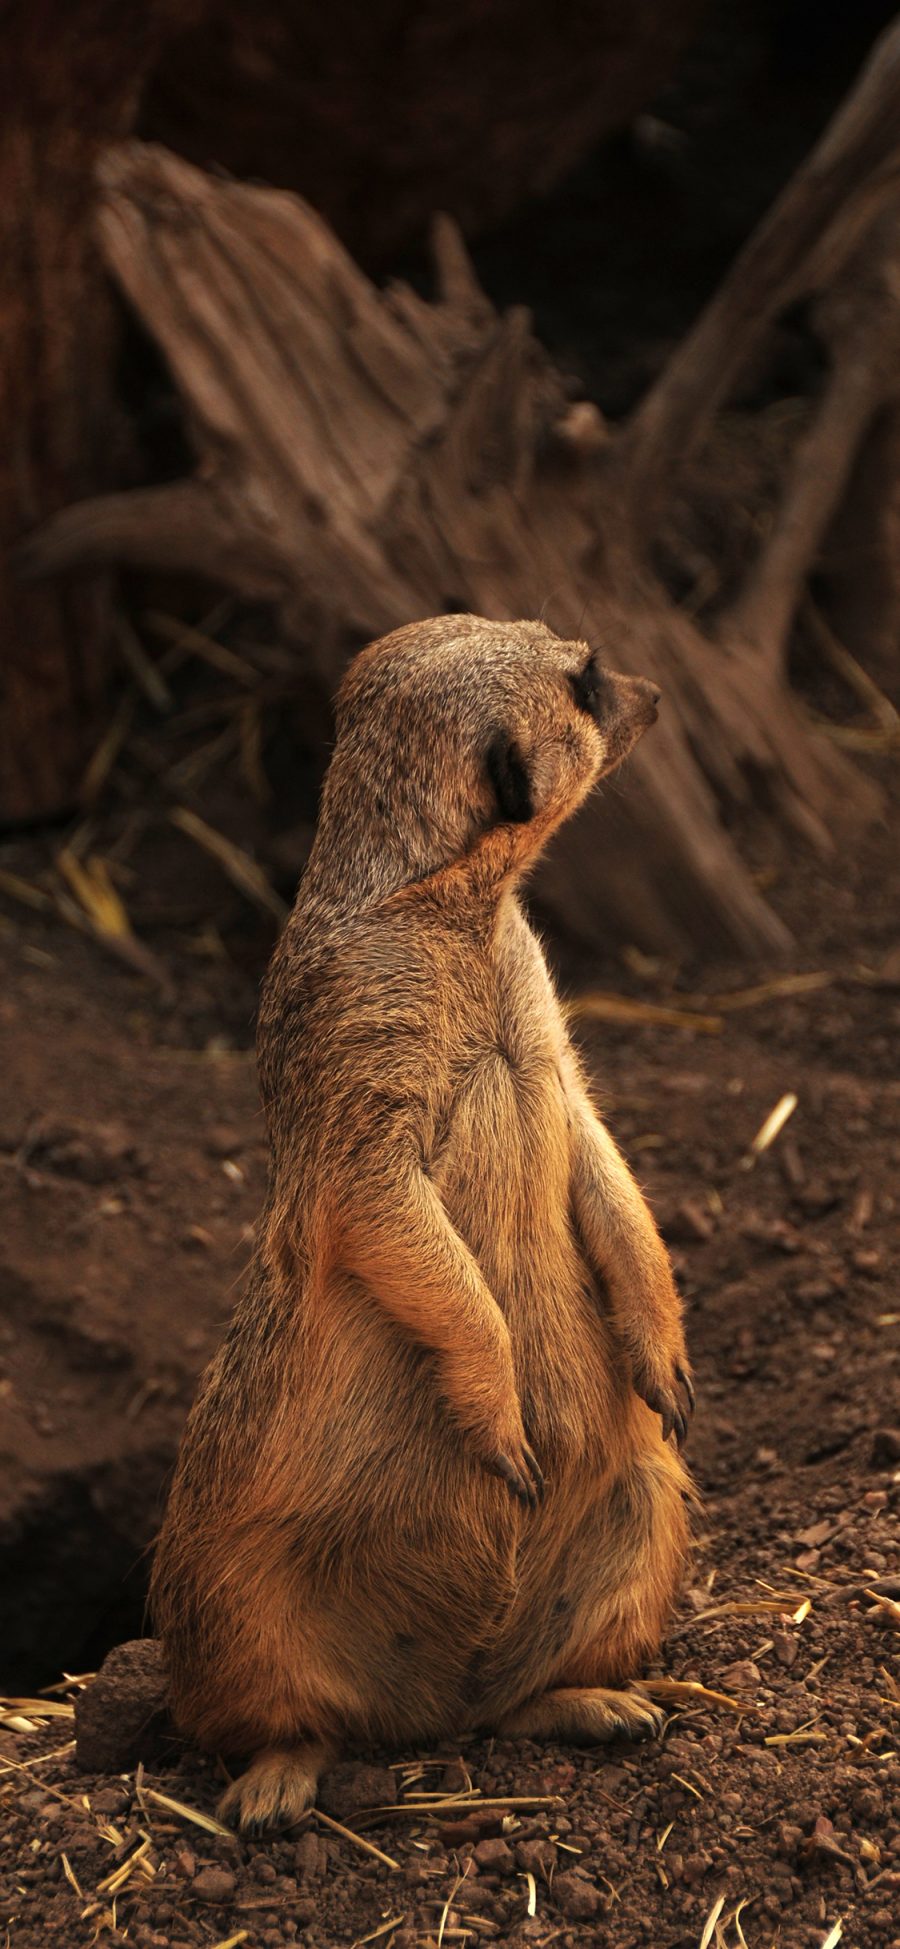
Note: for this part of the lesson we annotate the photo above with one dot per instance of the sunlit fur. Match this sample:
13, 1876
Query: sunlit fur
453, 1261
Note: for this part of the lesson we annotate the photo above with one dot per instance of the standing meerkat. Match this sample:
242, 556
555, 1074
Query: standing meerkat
428, 1483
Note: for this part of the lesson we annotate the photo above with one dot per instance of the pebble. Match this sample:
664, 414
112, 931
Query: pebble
495, 1855
121, 1717
743, 1676
349, 1787
307, 1855
575, 1896
213, 1885
536, 1857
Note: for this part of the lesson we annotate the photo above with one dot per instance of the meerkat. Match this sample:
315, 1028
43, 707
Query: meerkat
429, 1483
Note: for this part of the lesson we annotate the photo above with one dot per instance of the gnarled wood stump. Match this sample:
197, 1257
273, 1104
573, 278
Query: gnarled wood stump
365, 458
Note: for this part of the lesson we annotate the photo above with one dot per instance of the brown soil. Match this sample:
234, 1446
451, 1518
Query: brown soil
133, 1166
131, 1172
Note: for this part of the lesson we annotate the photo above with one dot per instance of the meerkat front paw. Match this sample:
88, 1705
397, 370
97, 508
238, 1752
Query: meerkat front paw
520, 1470
485, 1404
503, 1450
669, 1391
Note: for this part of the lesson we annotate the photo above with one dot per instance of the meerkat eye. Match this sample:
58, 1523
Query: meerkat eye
508, 774
589, 687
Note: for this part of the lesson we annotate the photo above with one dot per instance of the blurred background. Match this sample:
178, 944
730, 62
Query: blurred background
316, 320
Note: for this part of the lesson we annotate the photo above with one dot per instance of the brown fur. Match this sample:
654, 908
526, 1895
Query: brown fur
458, 1287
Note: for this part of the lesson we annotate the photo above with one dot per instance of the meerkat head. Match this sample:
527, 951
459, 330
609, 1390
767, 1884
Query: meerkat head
455, 730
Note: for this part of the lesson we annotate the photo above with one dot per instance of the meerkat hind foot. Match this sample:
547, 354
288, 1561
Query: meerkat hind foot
277, 1789
585, 1715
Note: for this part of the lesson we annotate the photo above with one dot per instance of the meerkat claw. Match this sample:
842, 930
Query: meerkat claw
536, 1473
685, 1381
518, 1481
503, 1467
674, 1414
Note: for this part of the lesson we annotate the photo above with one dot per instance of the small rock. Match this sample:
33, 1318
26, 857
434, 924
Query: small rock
790, 1837
743, 1676
817, 1534
536, 1857
885, 1447
122, 1718
785, 1647
495, 1856
823, 1844
213, 1885
307, 1854
110, 1800
349, 1787
577, 1897
868, 1802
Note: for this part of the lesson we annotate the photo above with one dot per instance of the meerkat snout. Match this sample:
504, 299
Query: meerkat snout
626, 707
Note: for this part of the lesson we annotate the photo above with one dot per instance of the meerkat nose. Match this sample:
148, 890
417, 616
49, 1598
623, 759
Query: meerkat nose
648, 690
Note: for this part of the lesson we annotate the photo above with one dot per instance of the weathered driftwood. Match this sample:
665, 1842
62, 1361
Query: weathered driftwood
364, 458
377, 114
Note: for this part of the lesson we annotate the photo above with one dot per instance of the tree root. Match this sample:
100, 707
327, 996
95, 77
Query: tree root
366, 458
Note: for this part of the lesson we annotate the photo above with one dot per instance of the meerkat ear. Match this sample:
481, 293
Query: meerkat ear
508, 773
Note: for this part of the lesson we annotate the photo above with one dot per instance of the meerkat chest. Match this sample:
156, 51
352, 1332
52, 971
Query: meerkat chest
504, 1125
510, 1028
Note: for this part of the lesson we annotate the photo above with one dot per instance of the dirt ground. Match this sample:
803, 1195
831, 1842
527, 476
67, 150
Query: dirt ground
132, 1169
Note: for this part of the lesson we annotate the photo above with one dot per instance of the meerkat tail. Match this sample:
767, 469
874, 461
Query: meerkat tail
277, 1788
